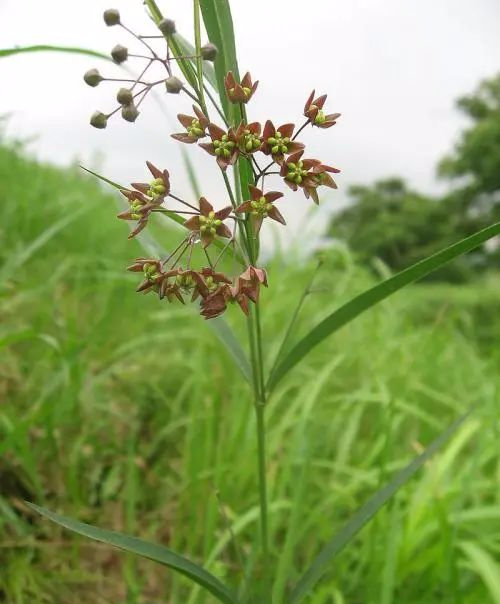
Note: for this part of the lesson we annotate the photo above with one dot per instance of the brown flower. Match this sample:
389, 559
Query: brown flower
261, 206
240, 93
246, 288
278, 141
248, 137
140, 209
179, 281
216, 302
209, 223
158, 188
195, 126
249, 282
320, 178
299, 172
152, 271
313, 110
223, 146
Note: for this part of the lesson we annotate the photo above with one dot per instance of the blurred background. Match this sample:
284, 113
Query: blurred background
125, 413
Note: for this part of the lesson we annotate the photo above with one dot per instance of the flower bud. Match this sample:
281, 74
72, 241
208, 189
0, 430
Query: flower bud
119, 53
99, 120
173, 84
111, 17
209, 52
92, 77
124, 96
130, 112
167, 27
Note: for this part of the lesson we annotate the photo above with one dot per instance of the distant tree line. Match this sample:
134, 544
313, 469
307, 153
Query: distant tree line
391, 221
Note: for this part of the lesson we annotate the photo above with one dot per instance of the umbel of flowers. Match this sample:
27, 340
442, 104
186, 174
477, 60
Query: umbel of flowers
226, 229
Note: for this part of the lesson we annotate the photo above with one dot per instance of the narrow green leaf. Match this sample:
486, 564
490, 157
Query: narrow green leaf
185, 65
219, 25
486, 567
369, 298
366, 513
104, 179
227, 337
188, 49
7, 52
151, 551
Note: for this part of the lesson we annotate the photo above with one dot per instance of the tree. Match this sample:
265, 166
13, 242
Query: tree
390, 221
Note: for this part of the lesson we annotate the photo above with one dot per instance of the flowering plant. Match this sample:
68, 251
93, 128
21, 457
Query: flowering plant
226, 236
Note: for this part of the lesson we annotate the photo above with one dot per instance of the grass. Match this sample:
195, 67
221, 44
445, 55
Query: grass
124, 412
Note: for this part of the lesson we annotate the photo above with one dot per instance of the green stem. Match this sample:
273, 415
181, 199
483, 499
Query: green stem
261, 453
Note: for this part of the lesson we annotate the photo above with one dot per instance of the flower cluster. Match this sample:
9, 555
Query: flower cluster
229, 233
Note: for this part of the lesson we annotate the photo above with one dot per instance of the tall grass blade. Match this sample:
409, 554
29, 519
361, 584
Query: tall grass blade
365, 513
219, 25
185, 65
7, 52
151, 551
369, 298
486, 567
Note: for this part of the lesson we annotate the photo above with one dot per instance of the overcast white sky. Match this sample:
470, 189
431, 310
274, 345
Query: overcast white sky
392, 67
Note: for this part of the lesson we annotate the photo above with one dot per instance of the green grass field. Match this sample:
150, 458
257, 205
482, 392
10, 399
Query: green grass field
124, 412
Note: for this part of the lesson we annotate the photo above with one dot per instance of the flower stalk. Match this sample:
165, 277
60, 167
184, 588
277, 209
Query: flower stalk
238, 147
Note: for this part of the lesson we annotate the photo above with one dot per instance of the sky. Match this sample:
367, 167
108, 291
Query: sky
393, 68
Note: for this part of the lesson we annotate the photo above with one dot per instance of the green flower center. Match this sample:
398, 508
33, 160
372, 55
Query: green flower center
320, 117
296, 172
135, 208
278, 143
246, 91
211, 284
195, 130
209, 224
156, 188
261, 207
185, 282
150, 271
250, 141
224, 147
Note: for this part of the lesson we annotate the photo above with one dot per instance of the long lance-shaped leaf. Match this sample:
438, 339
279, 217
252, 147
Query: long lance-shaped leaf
7, 52
219, 326
365, 513
369, 298
151, 551
219, 25
185, 65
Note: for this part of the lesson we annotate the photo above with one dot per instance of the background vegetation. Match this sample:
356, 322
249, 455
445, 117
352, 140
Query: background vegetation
391, 221
126, 414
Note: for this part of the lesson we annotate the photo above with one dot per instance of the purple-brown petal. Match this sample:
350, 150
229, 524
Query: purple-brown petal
273, 195
275, 214
286, 130
224, 231
193, 223
224, 213
205, 206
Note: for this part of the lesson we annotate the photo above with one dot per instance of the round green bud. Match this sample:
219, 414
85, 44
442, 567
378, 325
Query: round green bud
92, 77
130, 112
173, 85
99, 120
209, 52
111, 17
167, 27
119, 53
124, 96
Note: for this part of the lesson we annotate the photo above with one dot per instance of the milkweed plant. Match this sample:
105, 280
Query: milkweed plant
215, 265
